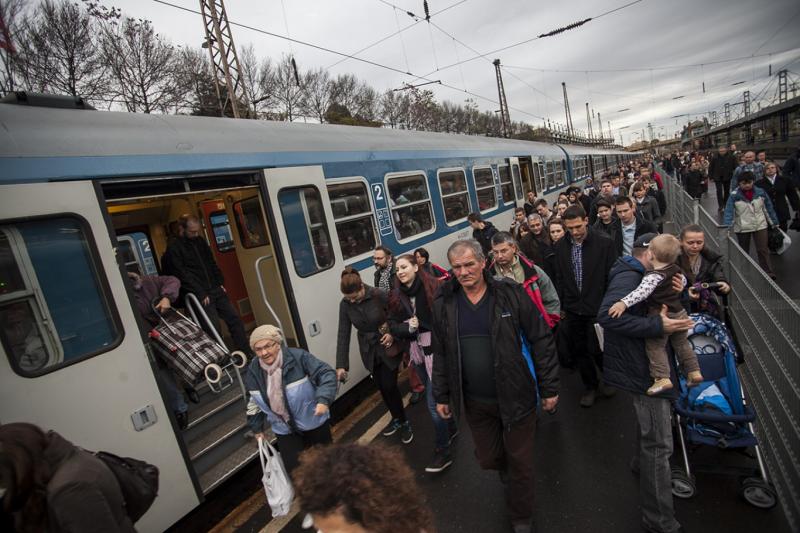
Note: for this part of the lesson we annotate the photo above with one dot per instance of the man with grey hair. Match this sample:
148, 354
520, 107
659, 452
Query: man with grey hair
482, 331
749, 165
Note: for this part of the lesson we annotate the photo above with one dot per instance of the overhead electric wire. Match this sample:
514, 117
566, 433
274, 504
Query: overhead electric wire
336, 52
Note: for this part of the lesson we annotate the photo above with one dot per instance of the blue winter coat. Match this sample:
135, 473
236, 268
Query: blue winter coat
625, 363
307, 381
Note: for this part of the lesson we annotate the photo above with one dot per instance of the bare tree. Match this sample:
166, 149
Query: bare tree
287, 92
60, 53
196, 84
318, 93
345, 91
12, 14
367, 103
142, 65
257, 81
391, 108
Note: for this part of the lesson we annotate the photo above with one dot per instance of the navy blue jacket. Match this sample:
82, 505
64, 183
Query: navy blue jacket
625, 363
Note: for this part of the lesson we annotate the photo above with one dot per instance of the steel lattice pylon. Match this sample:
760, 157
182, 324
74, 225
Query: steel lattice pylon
224, 60
504, 116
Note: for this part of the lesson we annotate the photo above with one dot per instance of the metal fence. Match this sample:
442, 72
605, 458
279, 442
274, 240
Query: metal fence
767, 326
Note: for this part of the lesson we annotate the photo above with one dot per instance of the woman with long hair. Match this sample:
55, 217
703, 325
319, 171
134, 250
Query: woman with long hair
410, 317
364, 308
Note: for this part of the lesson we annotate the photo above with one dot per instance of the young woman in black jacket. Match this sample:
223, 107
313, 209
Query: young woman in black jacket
410, 318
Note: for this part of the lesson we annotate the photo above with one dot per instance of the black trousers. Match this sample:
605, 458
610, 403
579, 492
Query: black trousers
386, 380
220, 306
723, 192
584, 347
293, 444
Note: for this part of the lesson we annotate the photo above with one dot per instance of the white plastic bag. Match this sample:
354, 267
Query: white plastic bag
277, 485
787, 242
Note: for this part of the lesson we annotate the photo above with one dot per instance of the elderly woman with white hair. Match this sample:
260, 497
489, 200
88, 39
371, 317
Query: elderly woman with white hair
291, 391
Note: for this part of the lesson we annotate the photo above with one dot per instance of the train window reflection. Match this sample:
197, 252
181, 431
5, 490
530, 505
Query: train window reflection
517, 181
505, 183
55, 311
455, 197
250, 223
306, 229
411, 205
484, 187
551, 174
355, 223
560, 172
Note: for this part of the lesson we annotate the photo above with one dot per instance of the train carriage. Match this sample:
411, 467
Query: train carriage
87, 195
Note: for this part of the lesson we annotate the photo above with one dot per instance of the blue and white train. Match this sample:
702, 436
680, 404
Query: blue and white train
87, 195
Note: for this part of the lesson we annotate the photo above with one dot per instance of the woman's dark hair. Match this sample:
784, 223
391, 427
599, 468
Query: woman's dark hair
429, 284
746, 176
691, 228
370, 485
351, 281
423, 252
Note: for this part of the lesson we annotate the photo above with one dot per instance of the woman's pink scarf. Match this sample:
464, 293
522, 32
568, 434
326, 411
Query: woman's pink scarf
274, 375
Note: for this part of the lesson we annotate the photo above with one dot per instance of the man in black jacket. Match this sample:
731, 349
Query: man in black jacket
480, 358
625, 366
482, 231
721, 171
192, 262
629, 226
583, 259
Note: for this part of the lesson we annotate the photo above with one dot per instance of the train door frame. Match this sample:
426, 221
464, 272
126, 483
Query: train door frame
316, 318
97, 402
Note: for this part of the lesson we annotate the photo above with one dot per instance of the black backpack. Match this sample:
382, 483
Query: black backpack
137, 479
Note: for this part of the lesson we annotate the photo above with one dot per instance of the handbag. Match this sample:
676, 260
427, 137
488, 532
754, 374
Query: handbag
277, 486
398, 346
138, 481
774, 235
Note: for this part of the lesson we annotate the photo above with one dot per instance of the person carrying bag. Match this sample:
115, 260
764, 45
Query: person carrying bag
291, 391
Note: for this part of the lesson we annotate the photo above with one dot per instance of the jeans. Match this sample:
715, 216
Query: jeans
507, 450
441, 426
220, 306
655, 449
175, 399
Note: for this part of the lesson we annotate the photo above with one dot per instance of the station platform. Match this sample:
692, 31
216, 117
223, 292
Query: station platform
583, 480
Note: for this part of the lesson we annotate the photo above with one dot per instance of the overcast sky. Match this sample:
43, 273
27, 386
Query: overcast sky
648, 35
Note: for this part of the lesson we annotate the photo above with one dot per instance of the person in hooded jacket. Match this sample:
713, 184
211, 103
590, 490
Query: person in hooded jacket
482, 231
291, 391
54, 486
782, 192
625, 366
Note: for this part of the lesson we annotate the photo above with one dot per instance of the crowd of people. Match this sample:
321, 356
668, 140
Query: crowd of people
753, 192
484, 336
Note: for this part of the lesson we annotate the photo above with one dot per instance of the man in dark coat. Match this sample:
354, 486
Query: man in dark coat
625, 366
791, 169
482, 231
629, 226
480, 358
582, 261
193, 263
781, 191
721, 171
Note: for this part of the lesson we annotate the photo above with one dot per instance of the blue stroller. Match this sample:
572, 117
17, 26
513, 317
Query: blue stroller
715, 413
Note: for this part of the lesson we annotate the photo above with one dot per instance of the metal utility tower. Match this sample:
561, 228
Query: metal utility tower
727, 112
224, 60
501, 92
783, 86
599, 126
746, 103
570, 129
650, 130
589, 121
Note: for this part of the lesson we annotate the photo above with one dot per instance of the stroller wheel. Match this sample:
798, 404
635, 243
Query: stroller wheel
239, 359
682, 485
213, 373
758, 493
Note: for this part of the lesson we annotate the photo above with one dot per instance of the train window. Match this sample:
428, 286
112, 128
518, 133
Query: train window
560, 172
221, 228
551, 174
306, 229
352, 213
128, 256
411, 205
517, 181
542, 177
53, 309
484, 187
537, 184
455, 197
250, 223
506, 186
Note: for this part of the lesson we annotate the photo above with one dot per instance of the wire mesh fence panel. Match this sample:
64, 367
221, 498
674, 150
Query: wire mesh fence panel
767, 324
715, 233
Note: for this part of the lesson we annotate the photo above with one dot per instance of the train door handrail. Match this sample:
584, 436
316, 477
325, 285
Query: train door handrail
264, 291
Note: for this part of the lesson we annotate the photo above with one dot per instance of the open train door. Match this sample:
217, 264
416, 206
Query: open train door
309, 253
516, 177
72, 357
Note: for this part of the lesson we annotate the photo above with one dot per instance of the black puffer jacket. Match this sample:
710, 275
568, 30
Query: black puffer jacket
192, 262
625, 363
513, 313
